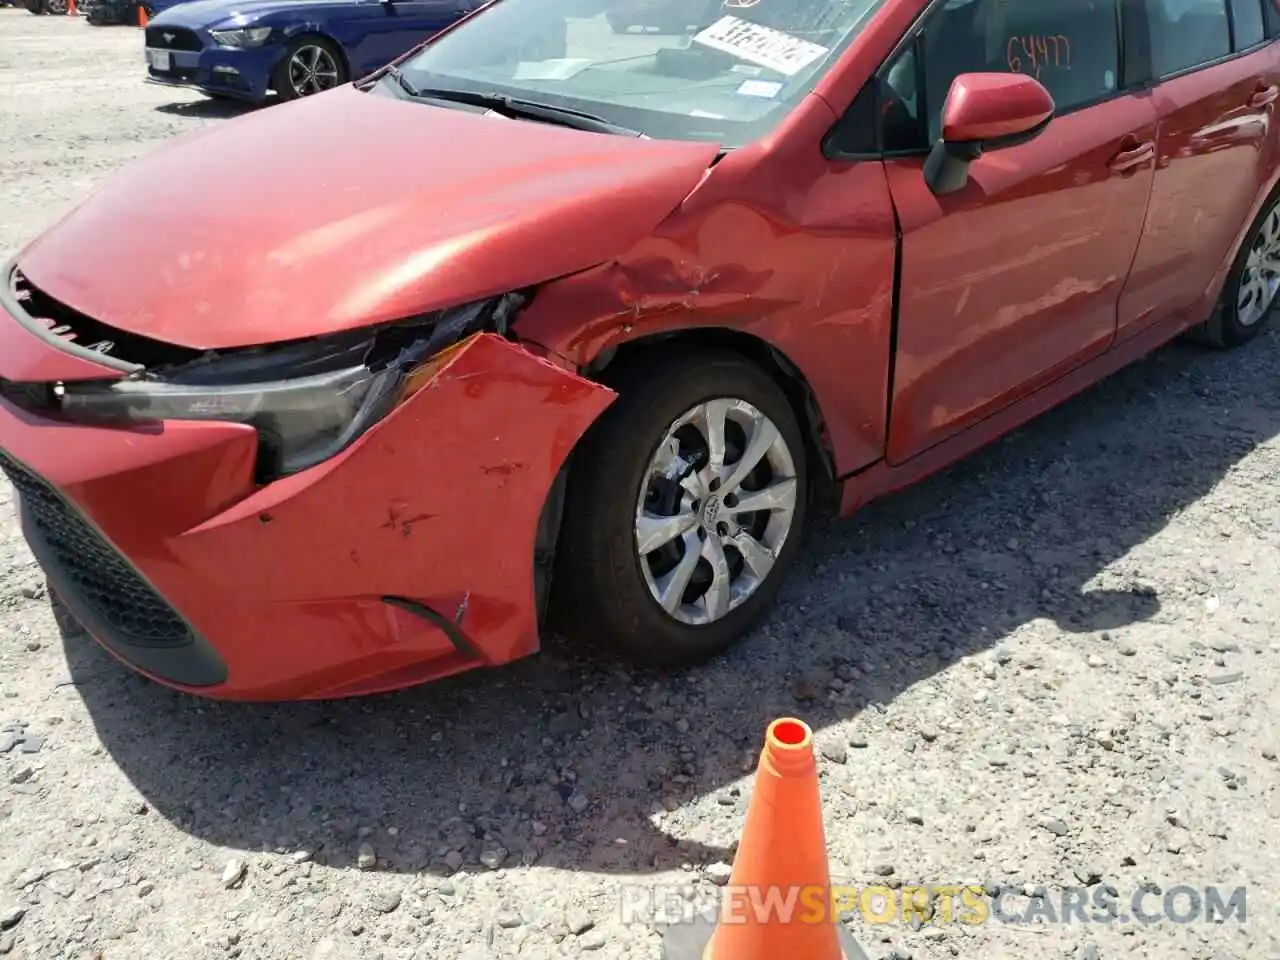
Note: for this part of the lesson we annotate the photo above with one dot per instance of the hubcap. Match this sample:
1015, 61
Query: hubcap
312, 69
1261, 278
716, 506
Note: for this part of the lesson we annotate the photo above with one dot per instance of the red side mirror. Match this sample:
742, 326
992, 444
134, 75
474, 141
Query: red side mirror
984, 111
994, 106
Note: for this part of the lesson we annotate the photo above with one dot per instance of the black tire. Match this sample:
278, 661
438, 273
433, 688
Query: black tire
599, 594
36, 7
1224, 330
618, 25
280, 81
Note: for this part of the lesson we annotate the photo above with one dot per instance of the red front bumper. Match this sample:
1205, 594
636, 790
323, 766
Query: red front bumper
407, 557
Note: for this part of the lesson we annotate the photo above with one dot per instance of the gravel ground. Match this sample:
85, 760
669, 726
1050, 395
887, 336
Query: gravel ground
1052, 666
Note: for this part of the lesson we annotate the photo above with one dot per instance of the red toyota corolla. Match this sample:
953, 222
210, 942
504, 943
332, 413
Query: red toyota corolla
314, 403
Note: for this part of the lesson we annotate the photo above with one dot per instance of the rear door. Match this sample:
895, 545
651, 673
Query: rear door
1216, 89
1014, 280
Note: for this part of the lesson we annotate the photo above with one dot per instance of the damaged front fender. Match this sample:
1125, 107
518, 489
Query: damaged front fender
438, 505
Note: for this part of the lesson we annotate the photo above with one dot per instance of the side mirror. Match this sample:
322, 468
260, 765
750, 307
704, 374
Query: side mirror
984, 111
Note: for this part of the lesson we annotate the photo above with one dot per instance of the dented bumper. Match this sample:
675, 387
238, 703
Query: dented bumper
407, 557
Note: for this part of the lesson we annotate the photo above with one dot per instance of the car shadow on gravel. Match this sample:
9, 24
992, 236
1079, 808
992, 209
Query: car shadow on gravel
565, 760
210, 108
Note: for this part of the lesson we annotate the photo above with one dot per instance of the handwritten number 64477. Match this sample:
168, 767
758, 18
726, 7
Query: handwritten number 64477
1036, 52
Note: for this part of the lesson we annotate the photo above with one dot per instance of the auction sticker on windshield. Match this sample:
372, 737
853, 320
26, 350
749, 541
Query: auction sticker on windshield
770, 48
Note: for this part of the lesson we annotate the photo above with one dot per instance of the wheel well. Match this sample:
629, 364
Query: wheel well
786, 374
607, 368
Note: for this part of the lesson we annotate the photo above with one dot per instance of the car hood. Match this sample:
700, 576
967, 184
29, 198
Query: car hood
204, 13
347, 209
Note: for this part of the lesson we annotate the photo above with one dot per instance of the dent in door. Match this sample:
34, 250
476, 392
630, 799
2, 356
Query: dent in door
1013, 281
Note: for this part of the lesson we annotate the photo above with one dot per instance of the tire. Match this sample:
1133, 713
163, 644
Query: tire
297, 55
618, 25
36, 7
1250, 292
603, 589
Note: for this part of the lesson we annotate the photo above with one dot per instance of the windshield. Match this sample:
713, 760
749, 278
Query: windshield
715, 70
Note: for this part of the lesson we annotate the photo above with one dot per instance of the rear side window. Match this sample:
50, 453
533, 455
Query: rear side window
1187, 33
1246, 22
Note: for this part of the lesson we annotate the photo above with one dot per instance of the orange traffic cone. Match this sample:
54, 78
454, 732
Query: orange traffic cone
71, 9
142, 15
781, 883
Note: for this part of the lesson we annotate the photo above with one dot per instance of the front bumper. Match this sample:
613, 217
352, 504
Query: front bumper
244, 74
406, 558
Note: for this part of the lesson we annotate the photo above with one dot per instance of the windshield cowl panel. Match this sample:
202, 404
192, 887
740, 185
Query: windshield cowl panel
714, 71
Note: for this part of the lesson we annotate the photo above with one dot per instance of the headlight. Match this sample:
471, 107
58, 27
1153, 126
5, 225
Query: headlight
308, 400
241, 37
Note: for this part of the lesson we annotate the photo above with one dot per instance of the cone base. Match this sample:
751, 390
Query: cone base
689, 941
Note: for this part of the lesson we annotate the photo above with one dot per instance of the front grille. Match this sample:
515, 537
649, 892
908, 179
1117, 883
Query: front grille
173, 38
93, 569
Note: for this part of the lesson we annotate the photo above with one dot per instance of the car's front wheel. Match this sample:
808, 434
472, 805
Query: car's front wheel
310, 65
684, 511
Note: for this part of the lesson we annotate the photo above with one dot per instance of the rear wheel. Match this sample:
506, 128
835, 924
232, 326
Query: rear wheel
310, 65
56, 7
1251, 290
684, 511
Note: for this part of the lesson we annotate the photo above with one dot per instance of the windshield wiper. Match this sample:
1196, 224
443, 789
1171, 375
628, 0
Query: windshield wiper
515, 107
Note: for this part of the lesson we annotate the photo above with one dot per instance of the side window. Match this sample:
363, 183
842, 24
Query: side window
1272, 8
1070, 46
900, 105
1187, 33
1246, 23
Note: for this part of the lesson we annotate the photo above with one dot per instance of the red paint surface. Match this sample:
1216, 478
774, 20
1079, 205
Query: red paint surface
1061, 260
1216, 149
1014, 280
986, 106
210, 251
293, 605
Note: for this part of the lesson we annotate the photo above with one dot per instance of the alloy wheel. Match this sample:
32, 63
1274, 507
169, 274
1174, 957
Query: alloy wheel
56, 7
312, 69
716, 506
1260, 281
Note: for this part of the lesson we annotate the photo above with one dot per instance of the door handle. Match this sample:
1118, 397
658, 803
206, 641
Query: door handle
1264, 96
1129, 160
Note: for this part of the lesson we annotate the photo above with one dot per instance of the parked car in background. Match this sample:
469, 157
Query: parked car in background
249, 49
116, 12
42, 7
364, 390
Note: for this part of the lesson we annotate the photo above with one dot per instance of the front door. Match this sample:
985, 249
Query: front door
1216, 97
1014, 280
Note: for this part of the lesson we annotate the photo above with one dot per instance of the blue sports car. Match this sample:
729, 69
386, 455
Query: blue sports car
247, 49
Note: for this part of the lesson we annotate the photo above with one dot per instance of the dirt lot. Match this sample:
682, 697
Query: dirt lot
1054, 666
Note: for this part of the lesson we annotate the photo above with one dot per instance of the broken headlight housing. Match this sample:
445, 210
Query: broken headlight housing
308, 400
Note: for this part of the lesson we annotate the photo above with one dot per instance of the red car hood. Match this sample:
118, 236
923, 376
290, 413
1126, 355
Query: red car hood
348, 209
